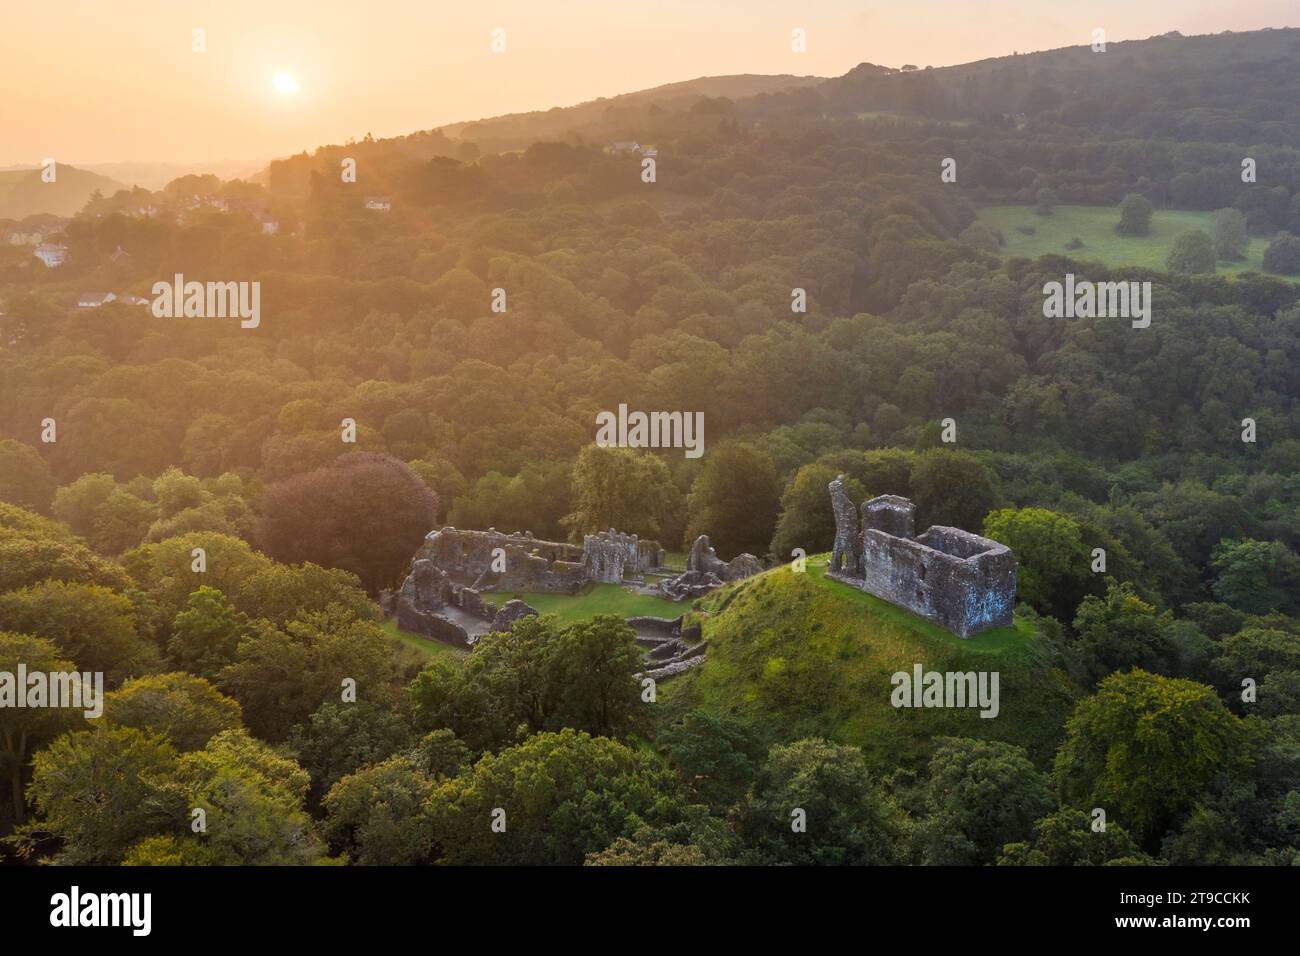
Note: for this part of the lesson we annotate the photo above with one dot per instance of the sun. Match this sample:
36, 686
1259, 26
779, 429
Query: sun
285, 83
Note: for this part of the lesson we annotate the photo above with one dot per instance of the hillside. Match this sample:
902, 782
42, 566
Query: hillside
616, 115
802, 655
23, 193
1169, 85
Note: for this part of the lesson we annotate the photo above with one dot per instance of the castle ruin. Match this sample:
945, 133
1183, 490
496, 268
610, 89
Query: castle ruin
961, 581
442, 596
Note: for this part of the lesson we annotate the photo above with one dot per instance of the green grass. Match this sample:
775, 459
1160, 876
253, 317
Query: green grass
600, 599
801, 655
1095, 225
426, 646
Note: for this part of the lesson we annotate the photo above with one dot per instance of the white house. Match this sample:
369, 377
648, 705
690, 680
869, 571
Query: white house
625, 147
52, 254
270, 227
93, 300
380, 203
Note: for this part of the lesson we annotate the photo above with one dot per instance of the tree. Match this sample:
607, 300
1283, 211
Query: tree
563, 795
253, 801
205, 636
619, 488
538, 676
850, 819
1135, 213
1055, 567
981, 795
108, 515
589, 676
375, 815
1118, 631
734, 500
1282, 256
366, 513
1192, 251
1144, 747
952, 488
715, 757
1257, 652
25, 478
35, 549
24, 730
282, 674
339, 739
100, 791
185, 709
1257, 576
1230, 236
92, 625
1067, 838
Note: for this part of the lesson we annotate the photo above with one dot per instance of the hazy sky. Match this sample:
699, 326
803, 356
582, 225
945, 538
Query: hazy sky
89, 81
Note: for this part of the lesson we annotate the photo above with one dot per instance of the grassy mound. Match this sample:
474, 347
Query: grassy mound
801, 655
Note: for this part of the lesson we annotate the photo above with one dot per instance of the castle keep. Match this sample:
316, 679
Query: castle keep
960, 581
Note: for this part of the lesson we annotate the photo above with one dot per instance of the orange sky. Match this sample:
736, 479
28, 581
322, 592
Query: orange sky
89, 81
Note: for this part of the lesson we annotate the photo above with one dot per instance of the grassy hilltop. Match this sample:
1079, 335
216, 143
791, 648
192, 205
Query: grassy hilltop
803, 655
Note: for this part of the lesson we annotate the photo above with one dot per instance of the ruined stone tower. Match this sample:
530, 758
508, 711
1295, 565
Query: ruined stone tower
960, 581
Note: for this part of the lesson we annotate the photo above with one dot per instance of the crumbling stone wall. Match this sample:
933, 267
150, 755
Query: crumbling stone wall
706, 572
469, 558
846, 558
610, 555
961, 581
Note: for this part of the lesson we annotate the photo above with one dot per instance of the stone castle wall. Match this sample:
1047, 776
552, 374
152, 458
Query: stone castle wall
960, 581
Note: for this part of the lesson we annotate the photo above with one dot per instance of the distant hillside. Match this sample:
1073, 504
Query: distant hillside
155, 176
1242, 87
800, 655
23, 193
608, 117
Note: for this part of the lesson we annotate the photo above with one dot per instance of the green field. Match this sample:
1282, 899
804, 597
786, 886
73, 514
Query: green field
426, 646
1095, 225
601, 599
801, 655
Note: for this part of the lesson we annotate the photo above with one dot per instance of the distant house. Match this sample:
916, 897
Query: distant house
52, 254
119, 254
20, 238
93, 300
649, 152
270, 227
625, 147
133, 300
379, 203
